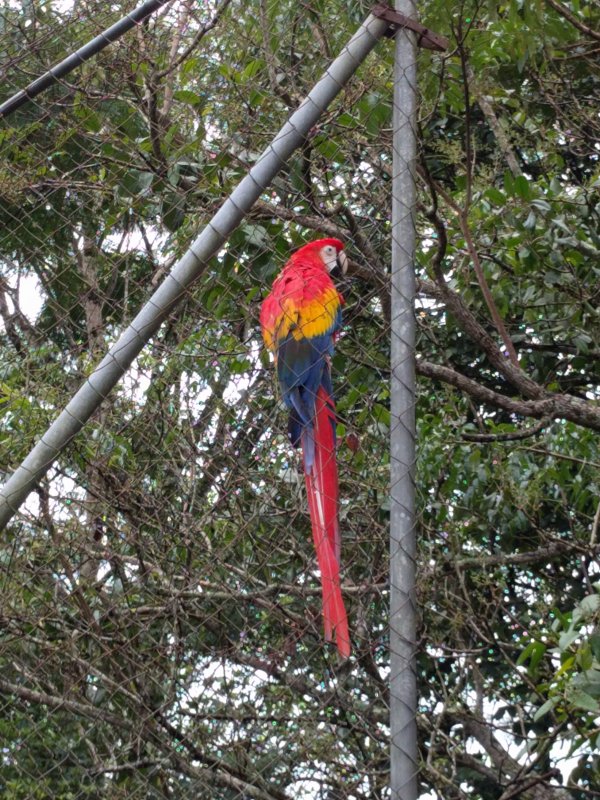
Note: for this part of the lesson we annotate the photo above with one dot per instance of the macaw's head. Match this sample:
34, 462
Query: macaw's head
327, 252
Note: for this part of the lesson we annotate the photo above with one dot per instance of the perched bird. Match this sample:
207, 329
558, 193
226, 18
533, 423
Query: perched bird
300, 320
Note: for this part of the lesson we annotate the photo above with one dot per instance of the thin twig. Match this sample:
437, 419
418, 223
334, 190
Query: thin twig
575, 21
511, 436
595, 524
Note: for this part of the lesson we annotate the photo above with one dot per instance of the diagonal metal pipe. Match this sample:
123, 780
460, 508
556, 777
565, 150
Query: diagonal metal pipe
84, 53
192, 264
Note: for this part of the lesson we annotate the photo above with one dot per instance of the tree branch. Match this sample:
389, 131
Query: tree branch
495, 125
514, 374
52, 701
208, 26
575, 21
547, 553
511, 436
504, 763
550, 405
462, 215
526, 408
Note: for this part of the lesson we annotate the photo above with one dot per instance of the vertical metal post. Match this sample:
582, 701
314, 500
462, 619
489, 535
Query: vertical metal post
403, 683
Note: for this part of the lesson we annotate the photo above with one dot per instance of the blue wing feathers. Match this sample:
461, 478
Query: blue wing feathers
302, 367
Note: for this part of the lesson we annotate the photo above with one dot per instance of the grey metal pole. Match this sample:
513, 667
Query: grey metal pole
403, 613
83, 54
187, 269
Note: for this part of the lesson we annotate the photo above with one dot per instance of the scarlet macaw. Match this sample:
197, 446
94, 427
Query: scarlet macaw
300, 321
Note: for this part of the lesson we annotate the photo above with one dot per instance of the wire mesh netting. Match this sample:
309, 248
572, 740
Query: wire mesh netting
160, 621
163, 633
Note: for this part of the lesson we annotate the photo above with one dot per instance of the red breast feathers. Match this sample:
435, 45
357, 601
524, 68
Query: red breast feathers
304, 300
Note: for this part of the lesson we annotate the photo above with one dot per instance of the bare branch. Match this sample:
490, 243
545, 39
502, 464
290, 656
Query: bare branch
574, 20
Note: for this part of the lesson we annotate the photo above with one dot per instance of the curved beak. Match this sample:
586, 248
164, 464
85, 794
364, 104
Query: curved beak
341, 265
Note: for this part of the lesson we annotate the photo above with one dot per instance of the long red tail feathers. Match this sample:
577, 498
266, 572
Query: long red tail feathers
322, 492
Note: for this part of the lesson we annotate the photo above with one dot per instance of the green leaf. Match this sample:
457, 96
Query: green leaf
173, 206
187, 96
588, 681
509, 182
545, 708
328, 148
522, 188
381, 414
541, 205
251, 70
495, 196
581, 699
590, 605
595, 644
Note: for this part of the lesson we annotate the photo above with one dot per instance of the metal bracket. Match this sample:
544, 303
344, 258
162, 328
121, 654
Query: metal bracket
425, 37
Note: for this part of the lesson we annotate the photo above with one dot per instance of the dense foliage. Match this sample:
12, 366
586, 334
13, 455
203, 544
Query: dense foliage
160, 626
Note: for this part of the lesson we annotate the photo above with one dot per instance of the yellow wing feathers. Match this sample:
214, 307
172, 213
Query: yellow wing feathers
313, 318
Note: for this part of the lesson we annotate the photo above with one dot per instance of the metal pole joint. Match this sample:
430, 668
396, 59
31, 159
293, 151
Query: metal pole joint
425, 37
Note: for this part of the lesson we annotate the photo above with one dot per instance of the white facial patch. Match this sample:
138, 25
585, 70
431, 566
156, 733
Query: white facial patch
331, 258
